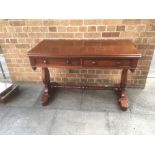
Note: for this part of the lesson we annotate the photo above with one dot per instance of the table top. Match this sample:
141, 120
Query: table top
85, 48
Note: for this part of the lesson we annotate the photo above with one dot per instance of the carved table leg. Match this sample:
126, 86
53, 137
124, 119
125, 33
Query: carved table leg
122, 99
47, 89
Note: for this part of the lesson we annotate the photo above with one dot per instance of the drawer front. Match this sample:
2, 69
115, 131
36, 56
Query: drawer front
106, 63
57, 62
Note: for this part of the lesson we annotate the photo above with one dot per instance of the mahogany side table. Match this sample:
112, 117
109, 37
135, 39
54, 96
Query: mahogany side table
106, 54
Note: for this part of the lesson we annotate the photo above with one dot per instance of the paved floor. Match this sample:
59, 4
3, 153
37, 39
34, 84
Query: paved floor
78, 112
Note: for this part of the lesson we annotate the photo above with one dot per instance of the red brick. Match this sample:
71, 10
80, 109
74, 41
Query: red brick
151, 40
52, 29
60, 35
20, 35
68, 35
90, 76
49, 23
64, 22
56, 22
91, 80
5, 35
83, 71
129, 34
130, 27
27, 29
11, 40
99, 71
115, 72
112, 21
110, 34
147, 34
92, 22
37, 35
3, 29
83, 80
150, 28
17, 22
107, 72
101, 28
39, 29
74, 71
76, 22
140, 28
70, 75
22, 46
82, 29
4, 22
131, 21
2, 40
78, 35
72, 29
142, 46
145, 21
120, 28
111, 28
74, 79
91, 28
62, 29
92, 35
34, 22
18, 29
91, 71
151, 21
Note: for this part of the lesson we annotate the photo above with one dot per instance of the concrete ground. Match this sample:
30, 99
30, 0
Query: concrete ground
78, 112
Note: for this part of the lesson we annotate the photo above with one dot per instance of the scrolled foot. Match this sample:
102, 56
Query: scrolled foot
122, 99
45, 99
123, 102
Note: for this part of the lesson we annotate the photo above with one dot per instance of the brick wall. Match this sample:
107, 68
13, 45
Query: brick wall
17, 37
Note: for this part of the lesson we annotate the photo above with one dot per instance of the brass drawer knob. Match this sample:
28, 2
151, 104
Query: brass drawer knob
45, 61
118, 63
93, 62
68, 62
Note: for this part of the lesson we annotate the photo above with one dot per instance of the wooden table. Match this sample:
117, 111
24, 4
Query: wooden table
106, 54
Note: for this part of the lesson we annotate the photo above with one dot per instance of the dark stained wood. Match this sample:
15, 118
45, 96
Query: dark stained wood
85, 48
122, 99
108, 54
47, 90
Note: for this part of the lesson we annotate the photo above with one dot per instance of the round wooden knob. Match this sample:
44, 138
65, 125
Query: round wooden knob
44, 61
93, 62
